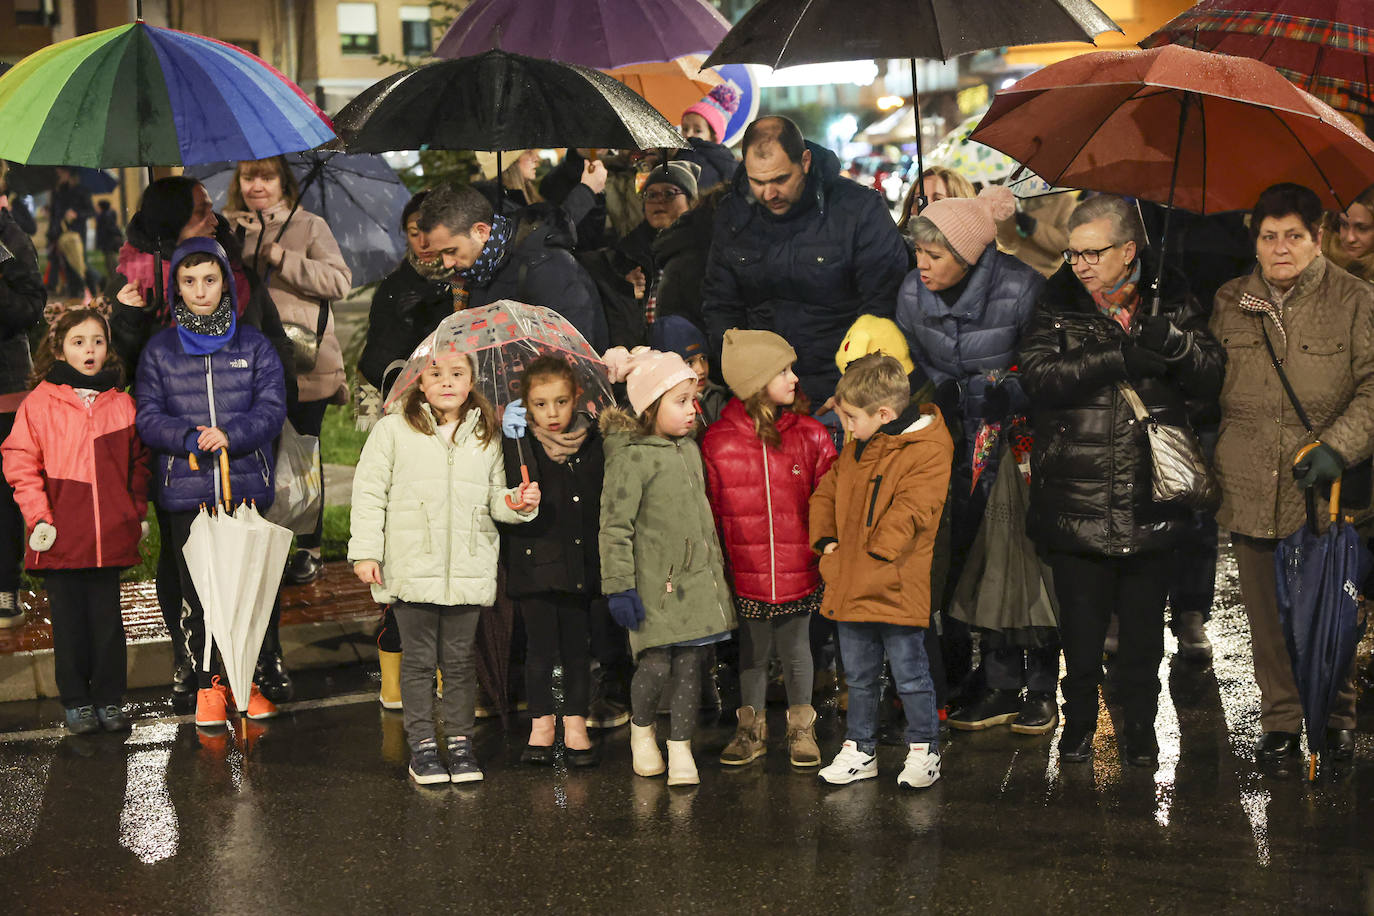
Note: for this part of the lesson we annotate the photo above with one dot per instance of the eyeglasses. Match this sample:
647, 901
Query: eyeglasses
663, 196
1090, 256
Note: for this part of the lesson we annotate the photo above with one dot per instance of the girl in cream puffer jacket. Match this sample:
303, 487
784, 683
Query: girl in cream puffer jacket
427, 493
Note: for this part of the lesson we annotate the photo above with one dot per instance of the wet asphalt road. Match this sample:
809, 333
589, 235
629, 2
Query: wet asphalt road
319, 817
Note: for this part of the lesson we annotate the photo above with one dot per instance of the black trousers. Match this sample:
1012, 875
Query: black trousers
1090, 589
170, 592
557, 632
308, 419
87, 636
11, 523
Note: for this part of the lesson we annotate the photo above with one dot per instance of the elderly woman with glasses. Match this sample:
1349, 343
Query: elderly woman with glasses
1108, 542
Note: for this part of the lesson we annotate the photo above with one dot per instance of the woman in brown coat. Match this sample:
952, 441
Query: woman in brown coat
1320, 322
298, 257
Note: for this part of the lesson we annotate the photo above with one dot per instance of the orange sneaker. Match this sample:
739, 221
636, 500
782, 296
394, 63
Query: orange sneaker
212, 705
259, 707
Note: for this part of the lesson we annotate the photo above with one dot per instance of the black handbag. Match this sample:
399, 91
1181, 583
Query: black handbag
1357, 483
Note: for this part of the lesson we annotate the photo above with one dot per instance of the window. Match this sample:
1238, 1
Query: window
36, 12
417, 38
358, 28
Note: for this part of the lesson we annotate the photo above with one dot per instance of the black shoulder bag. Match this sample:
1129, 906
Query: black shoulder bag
1357, 483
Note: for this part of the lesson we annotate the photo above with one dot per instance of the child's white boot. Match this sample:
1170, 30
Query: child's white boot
648, 760
682, 769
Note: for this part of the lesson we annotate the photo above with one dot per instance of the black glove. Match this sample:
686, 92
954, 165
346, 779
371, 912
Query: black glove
1025, 224
996, 403
1162, 336
1321, 465
948, 397
1142, 363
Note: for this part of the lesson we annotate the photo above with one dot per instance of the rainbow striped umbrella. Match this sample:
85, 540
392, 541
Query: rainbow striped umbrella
141, 95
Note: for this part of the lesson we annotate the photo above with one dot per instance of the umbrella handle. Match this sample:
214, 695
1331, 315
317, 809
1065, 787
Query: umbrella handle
525, 479
224, 477
1311, 767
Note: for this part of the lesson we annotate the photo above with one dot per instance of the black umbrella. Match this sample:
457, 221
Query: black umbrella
501, 101
785, 33
359, 196
38, 179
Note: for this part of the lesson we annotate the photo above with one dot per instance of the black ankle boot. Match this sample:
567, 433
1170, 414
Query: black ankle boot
1076, 743
1140, 747
271, 676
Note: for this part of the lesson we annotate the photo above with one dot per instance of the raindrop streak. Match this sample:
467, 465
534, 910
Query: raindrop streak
148, 822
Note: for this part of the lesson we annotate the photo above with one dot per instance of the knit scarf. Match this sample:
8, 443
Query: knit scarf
562, 445
430, 270
1120, 302
493, 254
204, 334
63, 373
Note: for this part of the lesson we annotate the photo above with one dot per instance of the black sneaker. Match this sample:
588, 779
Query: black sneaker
303, 569
11, 612
1141, 747
272, 678
112, 718
1039, 714
425, 767
996, 706
462, 765
82, 720
603, 712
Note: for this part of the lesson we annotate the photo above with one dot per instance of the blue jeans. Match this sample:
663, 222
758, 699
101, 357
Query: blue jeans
862, 646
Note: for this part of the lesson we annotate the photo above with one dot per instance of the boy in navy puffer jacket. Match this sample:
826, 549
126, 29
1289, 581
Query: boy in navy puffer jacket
207, 384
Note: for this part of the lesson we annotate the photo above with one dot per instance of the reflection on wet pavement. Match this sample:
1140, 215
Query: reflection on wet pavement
318, 816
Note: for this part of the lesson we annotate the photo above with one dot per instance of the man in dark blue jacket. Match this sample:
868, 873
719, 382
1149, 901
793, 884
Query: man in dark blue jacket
800, 251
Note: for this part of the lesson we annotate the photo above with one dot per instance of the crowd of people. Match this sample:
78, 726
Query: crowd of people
908, 460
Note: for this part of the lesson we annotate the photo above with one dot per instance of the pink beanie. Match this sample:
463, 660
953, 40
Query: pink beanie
716, 108
650, 374
970, 223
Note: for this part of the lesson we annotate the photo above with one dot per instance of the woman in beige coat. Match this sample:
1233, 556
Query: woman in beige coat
298, 256
1320, 322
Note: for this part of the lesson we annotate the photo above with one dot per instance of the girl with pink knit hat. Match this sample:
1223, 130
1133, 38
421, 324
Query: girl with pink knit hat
703, 125
661, 562
963, 310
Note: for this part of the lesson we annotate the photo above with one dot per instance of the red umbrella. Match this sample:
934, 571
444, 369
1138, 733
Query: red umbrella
1322, 45
1201, 131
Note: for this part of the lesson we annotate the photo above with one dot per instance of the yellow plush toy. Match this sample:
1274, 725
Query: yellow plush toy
871, 334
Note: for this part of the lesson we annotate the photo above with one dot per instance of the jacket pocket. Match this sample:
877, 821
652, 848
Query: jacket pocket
1319, 346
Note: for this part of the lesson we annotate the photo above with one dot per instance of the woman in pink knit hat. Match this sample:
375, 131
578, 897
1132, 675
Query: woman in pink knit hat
963, 310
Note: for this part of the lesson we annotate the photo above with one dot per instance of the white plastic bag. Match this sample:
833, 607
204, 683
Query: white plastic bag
300, 482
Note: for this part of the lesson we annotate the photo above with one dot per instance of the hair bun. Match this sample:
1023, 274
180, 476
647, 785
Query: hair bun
999, 202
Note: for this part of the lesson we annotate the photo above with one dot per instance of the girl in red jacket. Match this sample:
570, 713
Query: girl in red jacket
80, 477
764, 458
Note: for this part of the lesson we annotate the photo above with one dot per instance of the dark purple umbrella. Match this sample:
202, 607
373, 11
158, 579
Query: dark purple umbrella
602, 34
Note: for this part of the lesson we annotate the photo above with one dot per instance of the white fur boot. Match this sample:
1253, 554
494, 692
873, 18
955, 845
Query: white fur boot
644, 750
682, 769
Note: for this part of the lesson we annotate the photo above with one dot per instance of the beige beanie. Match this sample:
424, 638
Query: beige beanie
750, 359
970, 223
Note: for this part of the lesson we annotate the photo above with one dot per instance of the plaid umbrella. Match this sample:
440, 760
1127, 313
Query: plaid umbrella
1322, 45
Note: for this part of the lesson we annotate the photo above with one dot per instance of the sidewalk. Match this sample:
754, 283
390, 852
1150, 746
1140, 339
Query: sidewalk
327, 623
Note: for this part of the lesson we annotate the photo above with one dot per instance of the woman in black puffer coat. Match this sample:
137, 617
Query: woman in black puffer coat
1109, 544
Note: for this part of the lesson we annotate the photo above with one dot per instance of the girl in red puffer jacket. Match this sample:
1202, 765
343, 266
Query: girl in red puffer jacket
80, 477
764, 458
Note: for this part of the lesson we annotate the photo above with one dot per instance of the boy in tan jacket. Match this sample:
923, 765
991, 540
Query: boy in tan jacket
873, 519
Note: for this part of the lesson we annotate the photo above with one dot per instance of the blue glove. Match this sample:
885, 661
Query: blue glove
513, 421
191, 442
626, 609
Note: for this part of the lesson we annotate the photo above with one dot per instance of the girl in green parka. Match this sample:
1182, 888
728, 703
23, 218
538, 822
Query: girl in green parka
660, 559
428, 489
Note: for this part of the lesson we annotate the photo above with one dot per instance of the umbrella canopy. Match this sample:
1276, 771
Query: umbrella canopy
36, 179
358, 195
671, 87
1322, 45
1205, 132
501, 101
1319, 579
504, 337
140, 95
602, 34
235, 559
985, 165
784, 33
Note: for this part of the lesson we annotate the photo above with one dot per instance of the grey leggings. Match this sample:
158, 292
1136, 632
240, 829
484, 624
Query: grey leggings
442, 636
792, 637
673, 668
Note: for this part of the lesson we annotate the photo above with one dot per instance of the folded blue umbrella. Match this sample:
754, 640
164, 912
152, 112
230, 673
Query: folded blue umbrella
1320, 575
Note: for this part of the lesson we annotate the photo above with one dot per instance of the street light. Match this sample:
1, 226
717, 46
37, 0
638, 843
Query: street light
890, 102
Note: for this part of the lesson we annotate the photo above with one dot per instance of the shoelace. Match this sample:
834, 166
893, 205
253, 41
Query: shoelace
7, 602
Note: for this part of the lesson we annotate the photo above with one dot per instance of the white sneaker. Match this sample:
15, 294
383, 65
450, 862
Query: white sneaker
922, 768
849, 765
